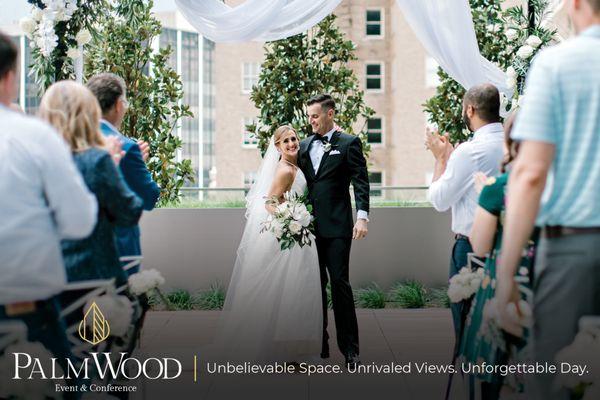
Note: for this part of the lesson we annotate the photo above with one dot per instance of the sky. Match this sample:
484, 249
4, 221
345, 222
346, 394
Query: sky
14, 10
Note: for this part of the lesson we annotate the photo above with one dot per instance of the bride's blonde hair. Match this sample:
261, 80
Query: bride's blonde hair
283, 129
75, 113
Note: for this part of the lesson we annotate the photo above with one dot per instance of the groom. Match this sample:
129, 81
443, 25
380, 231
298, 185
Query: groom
331, 160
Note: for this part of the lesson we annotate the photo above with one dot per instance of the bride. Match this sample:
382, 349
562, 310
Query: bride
273, 309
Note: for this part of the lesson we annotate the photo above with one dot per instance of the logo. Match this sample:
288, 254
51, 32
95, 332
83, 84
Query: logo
94, 328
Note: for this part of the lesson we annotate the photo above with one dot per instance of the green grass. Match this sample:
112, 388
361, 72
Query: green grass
181, 299
370, 297
213, 298
438, 297
408, 294
329, 300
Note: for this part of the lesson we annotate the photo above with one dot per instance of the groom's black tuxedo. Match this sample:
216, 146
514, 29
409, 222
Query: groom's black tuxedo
329, 194
329, 188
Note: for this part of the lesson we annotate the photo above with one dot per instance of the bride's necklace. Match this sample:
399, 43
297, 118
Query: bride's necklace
292, 164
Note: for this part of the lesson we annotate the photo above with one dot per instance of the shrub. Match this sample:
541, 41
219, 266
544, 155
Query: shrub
181, 299
438, 297
213, 298
370, 297
408, 294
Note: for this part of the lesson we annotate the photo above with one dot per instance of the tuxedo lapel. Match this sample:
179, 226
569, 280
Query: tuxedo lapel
333, 141
306, 154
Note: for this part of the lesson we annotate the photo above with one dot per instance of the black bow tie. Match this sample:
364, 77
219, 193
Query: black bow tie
323, 138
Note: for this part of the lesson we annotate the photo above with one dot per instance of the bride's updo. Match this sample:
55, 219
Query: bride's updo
282, 130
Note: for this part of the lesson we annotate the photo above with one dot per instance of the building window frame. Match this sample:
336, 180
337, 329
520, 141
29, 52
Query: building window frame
377, 192
250, 75
380, 76
381, 132
381, 23
248, 142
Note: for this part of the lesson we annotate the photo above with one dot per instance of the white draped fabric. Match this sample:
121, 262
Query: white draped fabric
261, 20
445, 28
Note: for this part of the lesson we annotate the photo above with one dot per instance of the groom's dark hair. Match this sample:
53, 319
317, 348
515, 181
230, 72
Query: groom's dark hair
326, 101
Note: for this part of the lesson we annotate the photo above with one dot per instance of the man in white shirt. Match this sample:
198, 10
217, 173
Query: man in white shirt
44, 200
453, 182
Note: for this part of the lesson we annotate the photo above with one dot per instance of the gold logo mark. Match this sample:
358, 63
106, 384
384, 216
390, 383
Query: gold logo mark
94, 327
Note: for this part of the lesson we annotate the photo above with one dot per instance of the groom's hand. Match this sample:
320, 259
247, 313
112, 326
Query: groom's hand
360, 229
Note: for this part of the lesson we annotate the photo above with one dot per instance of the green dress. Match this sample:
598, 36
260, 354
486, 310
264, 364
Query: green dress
483, 341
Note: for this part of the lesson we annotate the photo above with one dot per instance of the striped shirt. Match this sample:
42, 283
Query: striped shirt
562, 107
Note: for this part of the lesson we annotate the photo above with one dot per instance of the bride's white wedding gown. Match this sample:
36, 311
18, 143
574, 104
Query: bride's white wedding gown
273, 309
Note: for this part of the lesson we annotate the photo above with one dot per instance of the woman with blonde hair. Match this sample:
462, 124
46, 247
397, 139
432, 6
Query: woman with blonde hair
273, 309
75, 113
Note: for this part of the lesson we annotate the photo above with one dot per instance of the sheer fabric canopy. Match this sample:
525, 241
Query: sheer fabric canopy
444, 27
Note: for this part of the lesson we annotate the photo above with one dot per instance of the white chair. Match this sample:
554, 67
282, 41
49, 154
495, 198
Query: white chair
12, 332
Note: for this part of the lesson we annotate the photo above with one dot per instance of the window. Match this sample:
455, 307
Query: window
375, 131
248, 138
374, 23
375, 182
432, 80
250, 72
374, 73
249, 178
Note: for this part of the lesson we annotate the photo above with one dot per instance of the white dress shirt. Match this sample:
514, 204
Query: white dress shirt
455, 188
44, 200
316, 152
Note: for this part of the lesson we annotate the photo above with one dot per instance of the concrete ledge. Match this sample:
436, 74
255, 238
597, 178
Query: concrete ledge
196, 247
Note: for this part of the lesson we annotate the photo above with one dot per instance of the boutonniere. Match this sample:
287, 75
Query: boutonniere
327, 147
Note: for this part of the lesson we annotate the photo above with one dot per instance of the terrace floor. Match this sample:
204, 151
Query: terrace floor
387, 336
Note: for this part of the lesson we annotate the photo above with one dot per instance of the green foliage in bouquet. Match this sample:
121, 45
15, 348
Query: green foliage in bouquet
300, 67
292, 222
155, 92
370, 297
408, 294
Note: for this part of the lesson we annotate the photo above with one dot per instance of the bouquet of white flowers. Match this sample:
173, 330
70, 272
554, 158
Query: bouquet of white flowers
585, 350
292, 221
464, 284
145, 281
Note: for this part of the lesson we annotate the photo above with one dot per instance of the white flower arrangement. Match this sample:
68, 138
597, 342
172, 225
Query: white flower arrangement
534, 41
464, 284
525, 51
28, 389
292, 222
118, 310
83, 37
144, 281
511, 34
585, 350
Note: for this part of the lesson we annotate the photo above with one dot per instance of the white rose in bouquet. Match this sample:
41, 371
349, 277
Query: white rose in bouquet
534, 41
36, 13
511, 34
83, 37
295, 227
28, 26
118, 310
525, 52
277, 228
144, 281
511, 72
305, 218
511, 82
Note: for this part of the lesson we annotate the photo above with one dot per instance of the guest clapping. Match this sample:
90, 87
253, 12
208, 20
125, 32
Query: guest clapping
74, 111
